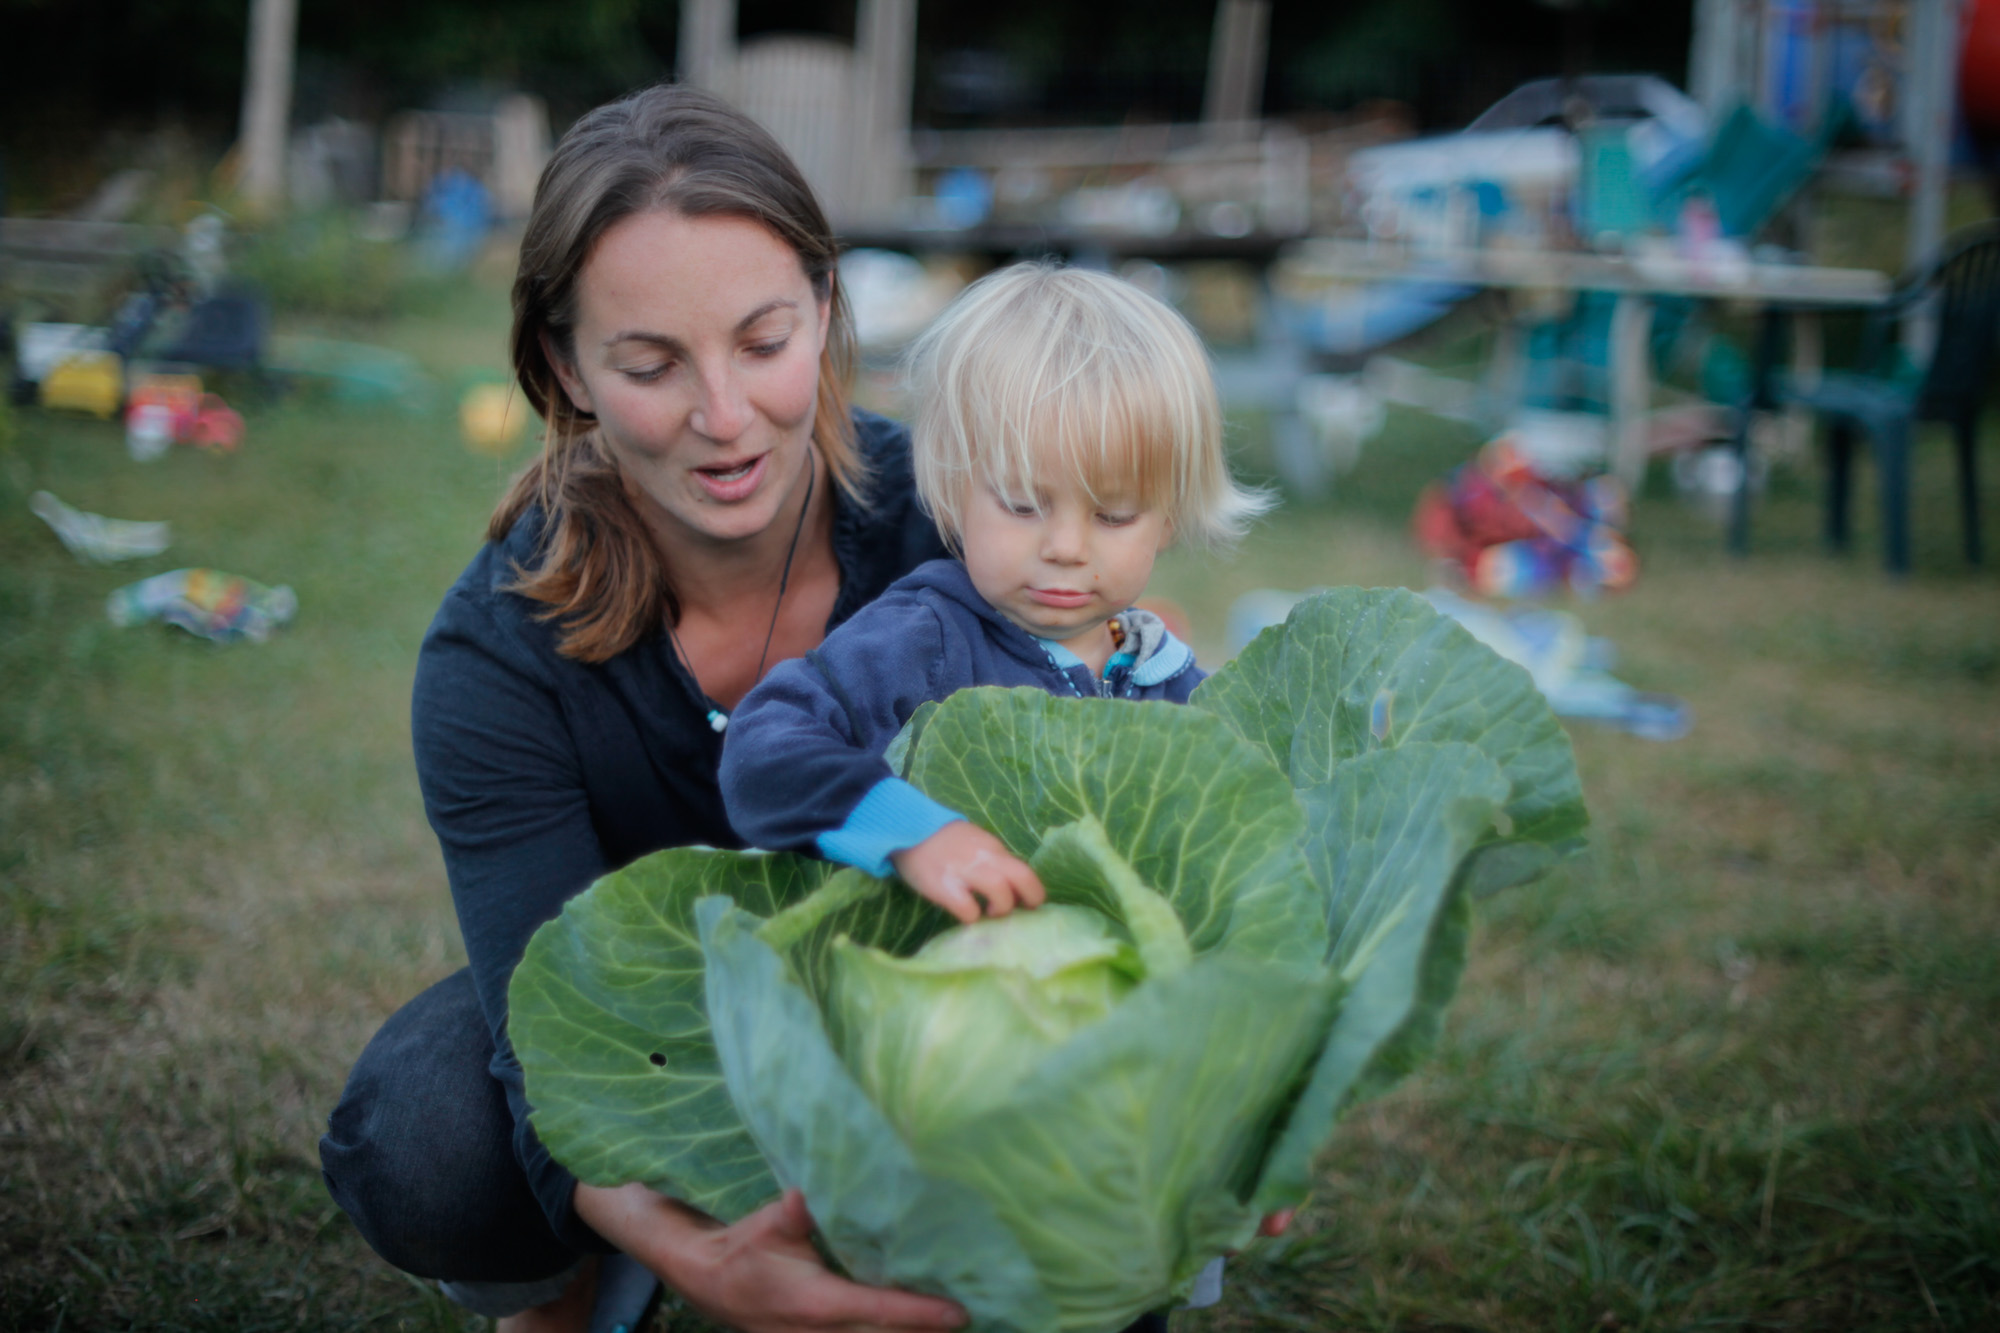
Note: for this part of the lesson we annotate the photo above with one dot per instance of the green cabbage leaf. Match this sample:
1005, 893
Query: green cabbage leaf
1260, 906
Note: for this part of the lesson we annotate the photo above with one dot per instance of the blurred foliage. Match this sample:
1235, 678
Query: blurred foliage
1377, 51
576, 54
75, 68
1101, 62
1450, 59
321, 264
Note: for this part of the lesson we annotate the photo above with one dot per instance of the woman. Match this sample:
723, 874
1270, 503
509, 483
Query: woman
705, 505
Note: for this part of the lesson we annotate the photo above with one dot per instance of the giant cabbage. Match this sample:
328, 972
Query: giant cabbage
1259, 909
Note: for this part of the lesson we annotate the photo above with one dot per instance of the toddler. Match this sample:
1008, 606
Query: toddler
1065, 430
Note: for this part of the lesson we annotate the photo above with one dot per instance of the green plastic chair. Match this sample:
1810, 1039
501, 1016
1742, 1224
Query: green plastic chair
1886, 398
1753, 168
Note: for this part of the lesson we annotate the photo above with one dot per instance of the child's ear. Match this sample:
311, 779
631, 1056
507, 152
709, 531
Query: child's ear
572, 383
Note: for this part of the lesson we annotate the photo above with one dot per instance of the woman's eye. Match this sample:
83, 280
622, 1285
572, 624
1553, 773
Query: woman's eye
646, 374
769, 348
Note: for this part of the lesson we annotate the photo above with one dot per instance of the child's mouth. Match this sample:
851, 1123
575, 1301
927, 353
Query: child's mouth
1063, 598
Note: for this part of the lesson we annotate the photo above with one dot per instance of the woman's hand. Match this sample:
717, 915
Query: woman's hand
761, 1275
1278, 1223
962, 866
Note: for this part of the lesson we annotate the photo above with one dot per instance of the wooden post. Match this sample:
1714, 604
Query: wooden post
267, 103
707, 41
885, 43
1930, 102
1236, 58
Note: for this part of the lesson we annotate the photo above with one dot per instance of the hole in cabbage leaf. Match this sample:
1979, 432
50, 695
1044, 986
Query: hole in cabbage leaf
1381, 715
660, 1061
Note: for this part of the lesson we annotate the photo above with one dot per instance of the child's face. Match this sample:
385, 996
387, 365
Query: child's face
1058, 563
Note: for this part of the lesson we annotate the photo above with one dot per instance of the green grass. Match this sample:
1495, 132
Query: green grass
217, 875
1732, 1068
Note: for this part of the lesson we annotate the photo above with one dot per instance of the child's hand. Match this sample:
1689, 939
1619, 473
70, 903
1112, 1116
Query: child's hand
961, 866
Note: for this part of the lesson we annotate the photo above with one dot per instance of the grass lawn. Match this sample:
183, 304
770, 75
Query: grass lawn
1732, 1068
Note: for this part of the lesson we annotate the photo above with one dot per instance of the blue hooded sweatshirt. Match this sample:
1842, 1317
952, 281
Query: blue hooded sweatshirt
802, 767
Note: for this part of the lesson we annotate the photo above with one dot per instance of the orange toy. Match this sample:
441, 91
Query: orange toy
173, 407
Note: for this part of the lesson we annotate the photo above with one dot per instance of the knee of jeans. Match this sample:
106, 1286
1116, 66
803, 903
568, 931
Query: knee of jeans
429, 1204
419, 1153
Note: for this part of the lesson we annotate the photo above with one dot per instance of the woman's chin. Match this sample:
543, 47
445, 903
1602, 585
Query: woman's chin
726, 526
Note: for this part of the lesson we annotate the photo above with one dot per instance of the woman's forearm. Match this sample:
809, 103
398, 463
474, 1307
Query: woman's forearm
760, 1275
661, 1233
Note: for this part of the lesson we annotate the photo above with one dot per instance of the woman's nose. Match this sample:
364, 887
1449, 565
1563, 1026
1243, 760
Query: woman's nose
724, 411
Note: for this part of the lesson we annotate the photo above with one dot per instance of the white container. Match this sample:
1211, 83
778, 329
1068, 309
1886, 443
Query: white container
149, 431
43, 346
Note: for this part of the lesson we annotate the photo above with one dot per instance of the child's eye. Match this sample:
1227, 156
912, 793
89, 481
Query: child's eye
1117, 520
1020, 508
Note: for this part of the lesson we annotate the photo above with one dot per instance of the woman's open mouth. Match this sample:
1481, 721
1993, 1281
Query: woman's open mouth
734, 481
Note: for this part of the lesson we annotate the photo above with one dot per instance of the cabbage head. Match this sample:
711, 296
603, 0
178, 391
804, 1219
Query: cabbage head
1259, 908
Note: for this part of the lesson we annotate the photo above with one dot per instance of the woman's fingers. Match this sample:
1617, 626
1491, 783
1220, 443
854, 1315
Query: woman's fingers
857, 1307
1276, 1224
817, 1298
790, 1218
762, 1275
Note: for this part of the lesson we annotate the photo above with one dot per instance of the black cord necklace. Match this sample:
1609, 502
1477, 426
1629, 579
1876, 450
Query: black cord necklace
717, 719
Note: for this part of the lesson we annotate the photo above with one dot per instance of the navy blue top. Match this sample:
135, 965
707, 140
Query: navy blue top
803, 767
540, 773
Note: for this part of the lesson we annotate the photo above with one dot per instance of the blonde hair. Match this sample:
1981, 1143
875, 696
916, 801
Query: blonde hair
1038, 369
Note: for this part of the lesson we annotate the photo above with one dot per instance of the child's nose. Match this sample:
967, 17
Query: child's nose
1064, 540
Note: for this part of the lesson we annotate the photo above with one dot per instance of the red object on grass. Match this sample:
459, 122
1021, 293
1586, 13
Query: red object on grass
216, 426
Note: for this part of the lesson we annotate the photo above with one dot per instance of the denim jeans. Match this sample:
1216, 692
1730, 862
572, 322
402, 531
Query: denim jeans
420, 1151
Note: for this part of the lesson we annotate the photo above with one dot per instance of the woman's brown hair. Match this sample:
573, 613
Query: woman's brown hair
668, 148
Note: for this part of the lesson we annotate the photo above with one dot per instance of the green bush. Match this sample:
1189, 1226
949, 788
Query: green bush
322, 264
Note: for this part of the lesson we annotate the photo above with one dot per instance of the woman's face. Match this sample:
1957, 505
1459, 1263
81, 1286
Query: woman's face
697, 347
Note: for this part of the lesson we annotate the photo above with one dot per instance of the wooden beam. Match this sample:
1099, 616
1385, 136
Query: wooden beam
1930, 104
884, 63
707, 41
1236, 59
267, 102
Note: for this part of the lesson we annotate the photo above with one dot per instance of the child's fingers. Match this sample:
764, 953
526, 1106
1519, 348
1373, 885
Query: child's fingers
990, 883
954, 894
1006, 883
1028, 886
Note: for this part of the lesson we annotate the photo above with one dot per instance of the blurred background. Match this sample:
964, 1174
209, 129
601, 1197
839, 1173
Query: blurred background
1652, 341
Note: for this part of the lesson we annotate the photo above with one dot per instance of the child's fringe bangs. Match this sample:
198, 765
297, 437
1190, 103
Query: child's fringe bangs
1061, 376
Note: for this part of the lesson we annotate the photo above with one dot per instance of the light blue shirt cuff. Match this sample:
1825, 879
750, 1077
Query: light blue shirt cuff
892, 817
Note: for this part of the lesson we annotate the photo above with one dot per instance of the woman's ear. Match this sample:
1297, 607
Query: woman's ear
572, 383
